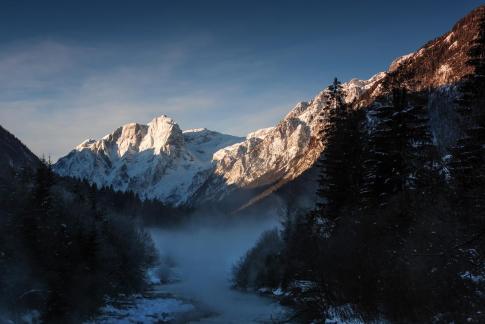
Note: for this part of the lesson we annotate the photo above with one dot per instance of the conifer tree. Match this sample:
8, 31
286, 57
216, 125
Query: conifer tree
339, 160
400, 152
468, 163
44, 179
35, 220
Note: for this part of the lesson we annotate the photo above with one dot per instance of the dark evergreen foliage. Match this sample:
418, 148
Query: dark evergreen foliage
63, 247
340, 160
468, 161
260, 267
392, 237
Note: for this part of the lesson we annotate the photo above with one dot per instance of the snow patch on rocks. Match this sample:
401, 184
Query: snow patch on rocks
399, 61
449, 37
144, 310
444, 72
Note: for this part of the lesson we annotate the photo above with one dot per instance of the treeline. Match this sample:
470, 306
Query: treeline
150, 212
399, 231
65, 245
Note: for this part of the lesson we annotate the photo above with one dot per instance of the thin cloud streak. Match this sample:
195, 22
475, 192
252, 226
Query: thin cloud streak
55, 95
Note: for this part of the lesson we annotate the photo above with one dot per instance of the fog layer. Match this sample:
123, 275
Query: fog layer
204, 254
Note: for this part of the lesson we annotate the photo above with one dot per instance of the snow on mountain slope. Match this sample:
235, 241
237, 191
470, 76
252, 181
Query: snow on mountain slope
157, 160
197, 166
275, 155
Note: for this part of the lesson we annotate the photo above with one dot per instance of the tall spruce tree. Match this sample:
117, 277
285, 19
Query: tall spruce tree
468, 163
308, 238
340, 158
38, 209
400, 154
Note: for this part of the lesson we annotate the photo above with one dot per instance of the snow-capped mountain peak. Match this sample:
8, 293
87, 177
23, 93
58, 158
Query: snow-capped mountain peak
156, 160
163, 135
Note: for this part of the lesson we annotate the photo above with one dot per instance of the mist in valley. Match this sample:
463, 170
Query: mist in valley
203, 253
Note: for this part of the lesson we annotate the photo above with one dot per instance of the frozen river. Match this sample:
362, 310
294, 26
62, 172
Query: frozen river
201, 257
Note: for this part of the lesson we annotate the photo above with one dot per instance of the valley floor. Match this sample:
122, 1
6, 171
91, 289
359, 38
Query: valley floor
199, 290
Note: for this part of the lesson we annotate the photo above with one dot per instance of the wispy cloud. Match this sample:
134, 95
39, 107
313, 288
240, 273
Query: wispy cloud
54, 95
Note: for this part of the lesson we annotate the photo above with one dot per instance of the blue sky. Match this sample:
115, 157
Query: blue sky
71, 70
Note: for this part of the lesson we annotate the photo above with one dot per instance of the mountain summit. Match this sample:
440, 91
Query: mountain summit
156, 160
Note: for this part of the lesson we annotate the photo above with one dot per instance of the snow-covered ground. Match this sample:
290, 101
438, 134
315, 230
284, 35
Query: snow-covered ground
144, 309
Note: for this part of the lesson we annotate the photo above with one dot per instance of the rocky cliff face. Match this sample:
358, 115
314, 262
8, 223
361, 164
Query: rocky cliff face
274, 156
158, 160
440, 63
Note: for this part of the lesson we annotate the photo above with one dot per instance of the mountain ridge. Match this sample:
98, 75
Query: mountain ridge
269, 158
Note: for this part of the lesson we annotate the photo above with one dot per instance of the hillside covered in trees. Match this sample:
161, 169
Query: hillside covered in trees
66, 245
